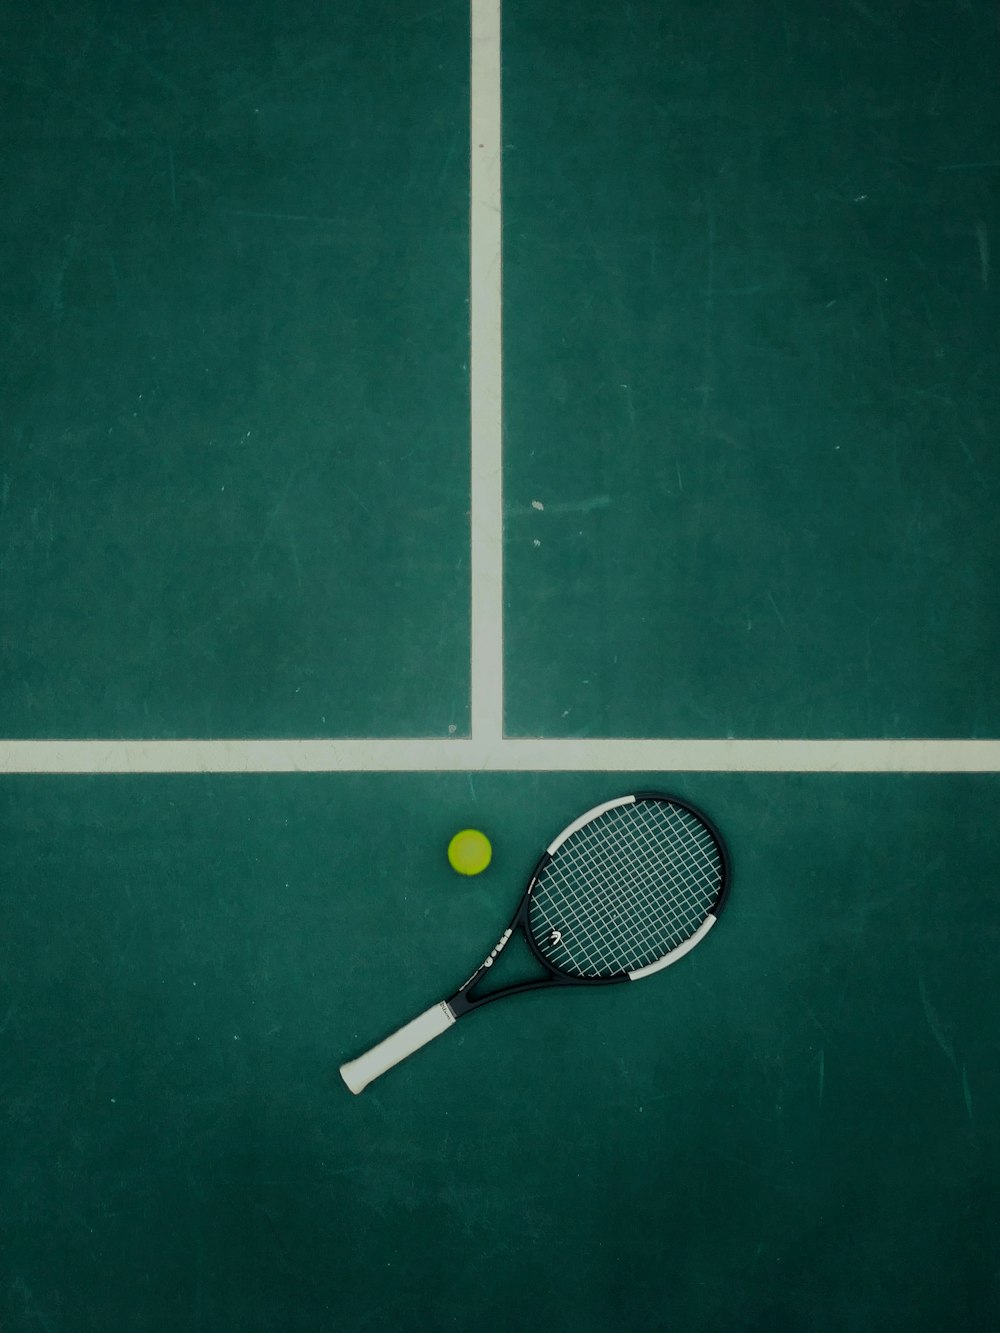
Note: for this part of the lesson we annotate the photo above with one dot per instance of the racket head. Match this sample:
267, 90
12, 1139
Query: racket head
627, 889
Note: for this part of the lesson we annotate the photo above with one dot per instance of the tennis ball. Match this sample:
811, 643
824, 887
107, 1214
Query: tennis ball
469, 852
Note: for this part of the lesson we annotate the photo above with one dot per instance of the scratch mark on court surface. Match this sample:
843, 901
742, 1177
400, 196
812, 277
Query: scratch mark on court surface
822, 1076
279, 217
937, 1030
448, 159
972, 462
934, 1023
279, 515
781, 618
54, 291
966, 1092
626, 1076
983, 245
293, 550
707, 388
116, 279
358, 501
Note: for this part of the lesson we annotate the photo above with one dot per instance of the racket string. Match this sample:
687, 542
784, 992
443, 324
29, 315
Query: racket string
610, 938
622, 926
626, 889
661, 884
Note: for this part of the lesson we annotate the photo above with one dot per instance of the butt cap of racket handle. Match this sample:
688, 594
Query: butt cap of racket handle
357, 1074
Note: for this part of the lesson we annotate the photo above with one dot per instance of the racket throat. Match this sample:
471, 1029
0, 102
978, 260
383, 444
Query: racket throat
467, 999
511, 968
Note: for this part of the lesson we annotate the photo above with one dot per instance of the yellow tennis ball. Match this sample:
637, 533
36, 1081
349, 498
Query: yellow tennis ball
469, 852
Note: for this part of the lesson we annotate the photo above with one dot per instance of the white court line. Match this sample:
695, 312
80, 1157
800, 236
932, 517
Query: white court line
523, 756
486, 373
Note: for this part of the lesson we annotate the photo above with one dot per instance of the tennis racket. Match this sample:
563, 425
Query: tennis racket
627, 889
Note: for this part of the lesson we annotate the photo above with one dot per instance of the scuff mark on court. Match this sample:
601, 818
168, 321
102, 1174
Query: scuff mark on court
822, 1076
966, 1092
937, 1031
983, 245
587, 506
934, 1023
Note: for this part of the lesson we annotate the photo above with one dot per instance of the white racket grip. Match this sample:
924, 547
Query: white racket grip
357, 1074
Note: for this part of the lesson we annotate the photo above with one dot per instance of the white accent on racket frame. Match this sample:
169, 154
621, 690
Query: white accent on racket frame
679, 952
585, 819
357, 1074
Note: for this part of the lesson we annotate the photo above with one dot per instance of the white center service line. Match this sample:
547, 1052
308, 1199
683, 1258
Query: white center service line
486, 373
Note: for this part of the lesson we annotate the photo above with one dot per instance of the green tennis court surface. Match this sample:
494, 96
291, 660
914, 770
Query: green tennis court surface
794, 1128
749, 488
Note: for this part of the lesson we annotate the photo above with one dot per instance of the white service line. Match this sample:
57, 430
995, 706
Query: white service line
524, 756
486, 374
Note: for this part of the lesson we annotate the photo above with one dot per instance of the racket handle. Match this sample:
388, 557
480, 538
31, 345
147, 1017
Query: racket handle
357, 1074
